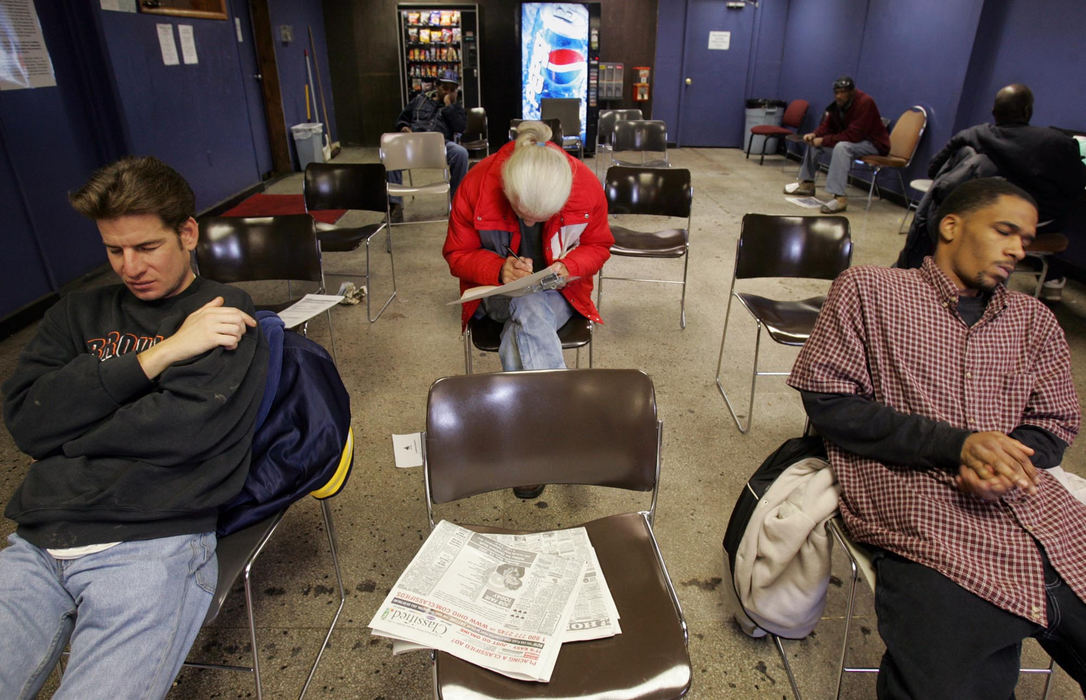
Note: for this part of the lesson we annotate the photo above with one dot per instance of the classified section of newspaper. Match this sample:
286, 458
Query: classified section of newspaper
503, 602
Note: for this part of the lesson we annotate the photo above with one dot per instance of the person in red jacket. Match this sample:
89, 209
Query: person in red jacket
527, 207
853, 128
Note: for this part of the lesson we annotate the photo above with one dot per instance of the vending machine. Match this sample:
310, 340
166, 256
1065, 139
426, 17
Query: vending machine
560, 57
436, 38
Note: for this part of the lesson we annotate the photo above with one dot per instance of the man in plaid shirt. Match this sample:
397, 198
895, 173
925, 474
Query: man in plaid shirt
944, 399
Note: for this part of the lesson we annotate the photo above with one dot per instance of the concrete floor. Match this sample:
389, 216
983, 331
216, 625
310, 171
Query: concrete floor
380, 516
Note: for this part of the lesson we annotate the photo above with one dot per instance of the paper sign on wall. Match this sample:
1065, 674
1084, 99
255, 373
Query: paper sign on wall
24, 58
720, 41
188, 44
167, 44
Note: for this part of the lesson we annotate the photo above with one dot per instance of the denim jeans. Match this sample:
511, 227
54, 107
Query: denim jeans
457, 158
129, 613
844, 152
529, 338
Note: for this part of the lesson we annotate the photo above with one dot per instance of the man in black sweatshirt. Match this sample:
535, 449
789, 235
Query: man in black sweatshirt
137, 402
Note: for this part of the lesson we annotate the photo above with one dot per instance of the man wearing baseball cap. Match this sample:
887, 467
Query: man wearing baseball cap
853, 128
437, 110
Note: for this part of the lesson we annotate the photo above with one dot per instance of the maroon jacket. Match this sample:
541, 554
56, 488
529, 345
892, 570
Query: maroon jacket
860, 122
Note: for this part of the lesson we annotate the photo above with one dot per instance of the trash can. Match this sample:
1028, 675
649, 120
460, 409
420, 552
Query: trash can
763, 111
309, 142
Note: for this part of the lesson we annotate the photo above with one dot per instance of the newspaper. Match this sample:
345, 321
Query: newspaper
495, 602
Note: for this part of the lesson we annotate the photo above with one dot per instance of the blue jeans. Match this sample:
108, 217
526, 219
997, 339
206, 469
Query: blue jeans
457, 158
130, 614
529, 338
844, 152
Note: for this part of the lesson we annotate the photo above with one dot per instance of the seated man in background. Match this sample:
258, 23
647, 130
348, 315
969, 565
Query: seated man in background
1042, 161
853, 128
137, 402
943, 398
437, 110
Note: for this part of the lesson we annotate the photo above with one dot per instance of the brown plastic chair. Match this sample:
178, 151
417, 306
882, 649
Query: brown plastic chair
812, 247
609, 436
254, 249
1039, 251
652, 192
640, 136
567, 110
414, 151
474, 139
485, 334
903, 142
790, 123
357, 186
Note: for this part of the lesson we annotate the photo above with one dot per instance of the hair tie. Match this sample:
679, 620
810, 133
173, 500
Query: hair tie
543, 143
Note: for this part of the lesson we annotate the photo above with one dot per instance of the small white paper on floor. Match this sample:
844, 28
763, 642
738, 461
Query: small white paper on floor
806, 202
408, 450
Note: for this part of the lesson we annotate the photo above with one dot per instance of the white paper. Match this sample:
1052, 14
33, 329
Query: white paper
188, 44
24, 57
720, 41
237, 28
307, 307
119, 5
166, 43
807, 202
408, 450
544, 279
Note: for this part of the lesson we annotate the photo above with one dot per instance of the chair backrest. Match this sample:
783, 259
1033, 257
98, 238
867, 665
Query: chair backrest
631, 113
554, 124
794, 113
406, 151
345, 186
907, 132
605, 126
566, 110
655, 191
640, 135
476, 128
817, 247
586, 426
236, 249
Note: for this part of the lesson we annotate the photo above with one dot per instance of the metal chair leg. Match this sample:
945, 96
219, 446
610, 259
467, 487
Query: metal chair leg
467, 349
754, 372
369, 280
329, 527
787, 666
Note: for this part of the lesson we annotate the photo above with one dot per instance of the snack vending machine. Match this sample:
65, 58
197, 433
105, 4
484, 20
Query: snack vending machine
560, 57
434, 39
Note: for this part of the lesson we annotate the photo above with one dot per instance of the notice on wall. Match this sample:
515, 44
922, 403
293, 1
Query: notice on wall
24, 57
119, 5
720, 41
167, 44
188, 44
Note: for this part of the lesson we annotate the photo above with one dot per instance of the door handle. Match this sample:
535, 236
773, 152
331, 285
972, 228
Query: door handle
688, 81
258, 76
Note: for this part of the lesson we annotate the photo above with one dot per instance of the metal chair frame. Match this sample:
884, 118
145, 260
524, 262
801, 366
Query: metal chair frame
825, 252
411, 151
639, 191
790, 123
351, 186
605, 130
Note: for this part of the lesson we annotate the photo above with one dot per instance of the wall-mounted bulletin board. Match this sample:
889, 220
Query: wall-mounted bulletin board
208, 9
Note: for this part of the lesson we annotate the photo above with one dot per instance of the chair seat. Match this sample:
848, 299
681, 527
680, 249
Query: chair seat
475, 144
234, 552
669, 243
794, 138
885, 161
659, 163
787, 322
486, 333
770, 130
334, 239
648, 660
432, 188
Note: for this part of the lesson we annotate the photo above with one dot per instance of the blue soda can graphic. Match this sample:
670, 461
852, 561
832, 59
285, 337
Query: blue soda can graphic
565, 73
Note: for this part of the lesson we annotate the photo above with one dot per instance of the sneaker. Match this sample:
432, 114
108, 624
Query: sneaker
804, 188
1052, 289
395, 213
528, 492
835, 206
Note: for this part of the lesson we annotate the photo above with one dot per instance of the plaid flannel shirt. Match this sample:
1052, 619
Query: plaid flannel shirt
895, 336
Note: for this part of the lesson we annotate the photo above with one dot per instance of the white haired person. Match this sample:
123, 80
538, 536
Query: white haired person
528, 206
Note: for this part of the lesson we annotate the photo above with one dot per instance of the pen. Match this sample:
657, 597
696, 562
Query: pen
510, 251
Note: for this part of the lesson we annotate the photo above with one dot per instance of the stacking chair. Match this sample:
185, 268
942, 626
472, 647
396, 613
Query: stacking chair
790, 123
922, 186
605, 129
357, 186
1039, 251
554, 124
903, 141
254, 249
610, 436
474, 138
485, 334
567, 110
415, 151
812, 247
640, 136
653, 192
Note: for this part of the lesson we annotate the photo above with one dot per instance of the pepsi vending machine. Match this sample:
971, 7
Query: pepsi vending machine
560, 57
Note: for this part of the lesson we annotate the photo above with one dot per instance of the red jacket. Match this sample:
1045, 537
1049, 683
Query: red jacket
861, 122
482, 224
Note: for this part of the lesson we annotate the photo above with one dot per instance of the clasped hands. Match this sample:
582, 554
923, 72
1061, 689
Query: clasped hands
812, 139
992, 464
